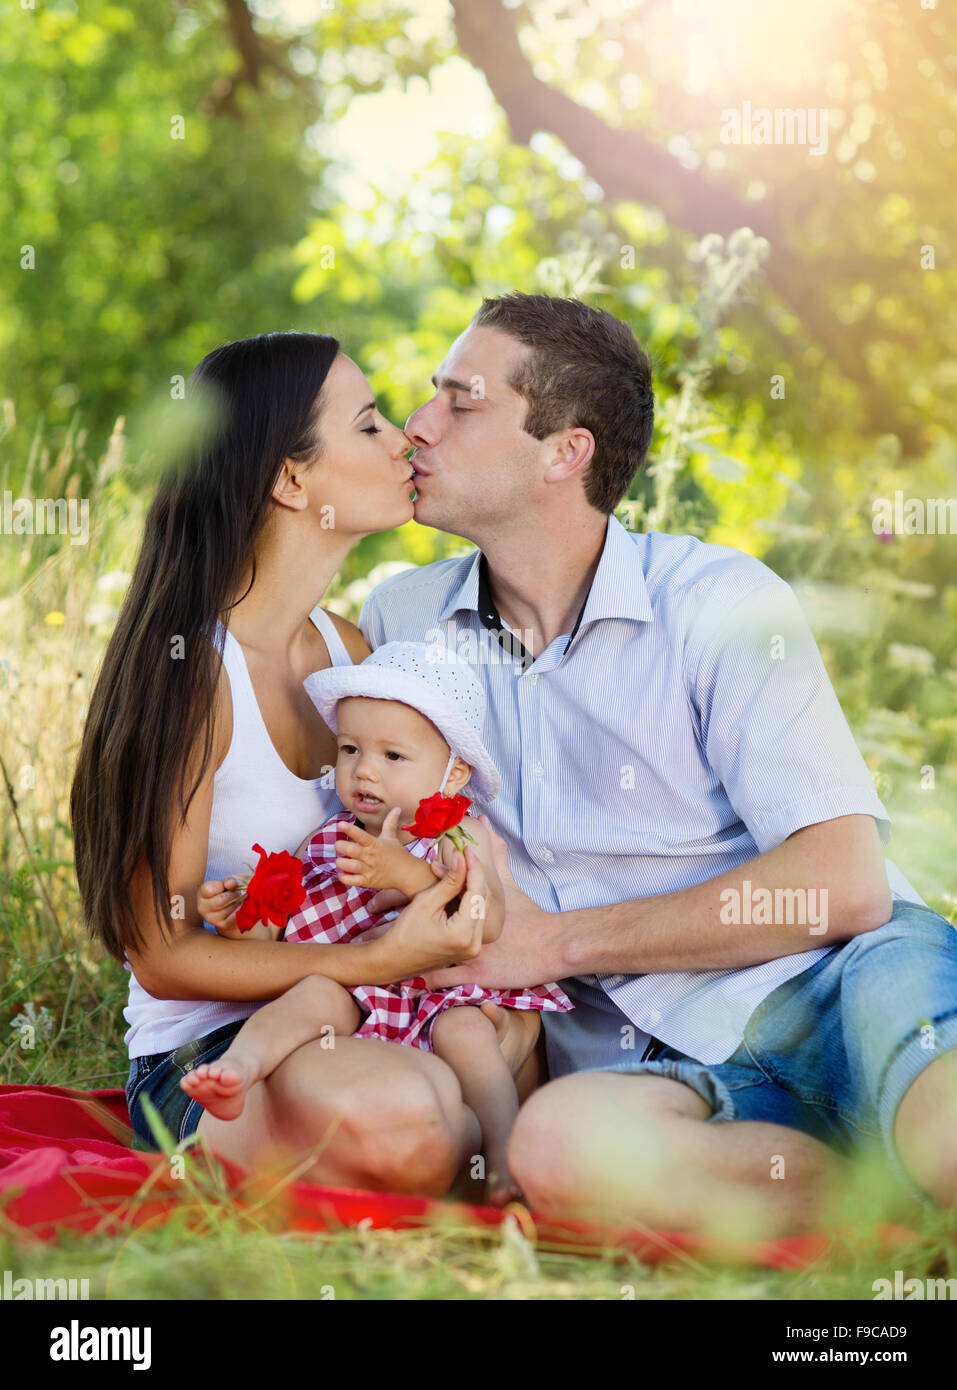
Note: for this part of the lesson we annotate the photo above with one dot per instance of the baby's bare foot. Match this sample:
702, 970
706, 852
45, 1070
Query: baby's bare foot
220, 1087
500, 1187
516, 1030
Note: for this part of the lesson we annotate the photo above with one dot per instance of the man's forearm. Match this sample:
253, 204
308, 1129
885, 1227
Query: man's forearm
820, 887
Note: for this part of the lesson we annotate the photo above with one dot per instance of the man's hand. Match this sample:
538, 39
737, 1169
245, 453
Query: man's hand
525, 955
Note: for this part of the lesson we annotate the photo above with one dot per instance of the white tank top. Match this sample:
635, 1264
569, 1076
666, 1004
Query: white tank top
256, 800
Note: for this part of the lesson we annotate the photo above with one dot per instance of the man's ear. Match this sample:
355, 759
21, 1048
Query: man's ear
572, 451
288, 490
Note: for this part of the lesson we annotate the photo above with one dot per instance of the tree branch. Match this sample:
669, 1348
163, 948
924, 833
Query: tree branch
628, 165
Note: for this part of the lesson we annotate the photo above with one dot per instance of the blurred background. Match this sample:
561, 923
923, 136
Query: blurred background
173, 176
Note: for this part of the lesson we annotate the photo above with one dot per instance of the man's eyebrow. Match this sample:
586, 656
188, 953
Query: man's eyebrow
448, 383
370, 406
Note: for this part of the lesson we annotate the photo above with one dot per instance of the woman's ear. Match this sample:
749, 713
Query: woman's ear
288, 490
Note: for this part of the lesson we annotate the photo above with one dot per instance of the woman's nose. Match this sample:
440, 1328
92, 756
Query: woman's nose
403, 444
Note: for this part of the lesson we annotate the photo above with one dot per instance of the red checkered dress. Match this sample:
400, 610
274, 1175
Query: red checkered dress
402, 1012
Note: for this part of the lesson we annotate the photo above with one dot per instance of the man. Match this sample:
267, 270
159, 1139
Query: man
694, 837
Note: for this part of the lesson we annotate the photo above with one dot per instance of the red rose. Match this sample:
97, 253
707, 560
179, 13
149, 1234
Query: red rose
274, 891
435, 815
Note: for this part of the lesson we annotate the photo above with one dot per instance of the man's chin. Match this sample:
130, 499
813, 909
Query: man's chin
426, 513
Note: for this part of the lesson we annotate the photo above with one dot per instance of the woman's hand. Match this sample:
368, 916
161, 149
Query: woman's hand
423, 937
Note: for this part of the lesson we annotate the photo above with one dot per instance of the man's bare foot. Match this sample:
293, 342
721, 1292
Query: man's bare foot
517, 1032
220, 1087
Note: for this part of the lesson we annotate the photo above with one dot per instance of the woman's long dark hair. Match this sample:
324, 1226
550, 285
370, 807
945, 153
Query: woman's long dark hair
151, 712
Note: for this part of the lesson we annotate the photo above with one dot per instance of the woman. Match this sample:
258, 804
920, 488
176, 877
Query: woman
201, 740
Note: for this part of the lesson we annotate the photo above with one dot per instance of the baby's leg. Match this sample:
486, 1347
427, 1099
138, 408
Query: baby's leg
467, 1040
267, 1038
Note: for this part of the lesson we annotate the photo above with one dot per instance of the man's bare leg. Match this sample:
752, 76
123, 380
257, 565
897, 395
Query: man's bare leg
637, 1150
925, 1130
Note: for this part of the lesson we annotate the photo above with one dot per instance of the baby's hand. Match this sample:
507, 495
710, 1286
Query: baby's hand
367, 862
217, 903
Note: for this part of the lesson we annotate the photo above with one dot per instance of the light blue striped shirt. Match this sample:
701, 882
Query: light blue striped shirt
689, 726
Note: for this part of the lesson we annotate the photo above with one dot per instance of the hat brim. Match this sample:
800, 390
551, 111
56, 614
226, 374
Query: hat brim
326, 688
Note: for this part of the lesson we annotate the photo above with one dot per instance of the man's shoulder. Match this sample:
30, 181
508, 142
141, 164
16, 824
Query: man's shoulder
415, 578
417, 592
679, 569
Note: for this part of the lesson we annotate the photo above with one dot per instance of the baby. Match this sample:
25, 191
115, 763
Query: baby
397, 717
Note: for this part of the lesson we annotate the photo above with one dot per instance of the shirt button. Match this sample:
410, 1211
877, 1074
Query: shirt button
532, 677
538, 770
613, 980
546, 854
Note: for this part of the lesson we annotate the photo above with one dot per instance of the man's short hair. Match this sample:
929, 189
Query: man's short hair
586, 369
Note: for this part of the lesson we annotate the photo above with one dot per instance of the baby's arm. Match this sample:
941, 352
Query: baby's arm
219, 899
217, 903
381, 862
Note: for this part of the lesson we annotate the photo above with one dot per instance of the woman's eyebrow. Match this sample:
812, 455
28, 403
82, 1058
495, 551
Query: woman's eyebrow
362, 411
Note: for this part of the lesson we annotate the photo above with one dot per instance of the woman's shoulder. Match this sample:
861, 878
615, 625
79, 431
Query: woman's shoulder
352, 639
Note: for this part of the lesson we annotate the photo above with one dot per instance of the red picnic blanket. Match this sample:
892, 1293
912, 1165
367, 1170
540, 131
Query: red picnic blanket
66, 1162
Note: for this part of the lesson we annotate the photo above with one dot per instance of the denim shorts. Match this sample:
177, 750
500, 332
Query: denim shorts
158, 1076
832, 1051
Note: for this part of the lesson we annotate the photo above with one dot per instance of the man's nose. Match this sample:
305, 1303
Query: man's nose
421, 427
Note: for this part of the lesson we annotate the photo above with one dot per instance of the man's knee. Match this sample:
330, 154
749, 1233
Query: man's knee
572, 1127
925, 1130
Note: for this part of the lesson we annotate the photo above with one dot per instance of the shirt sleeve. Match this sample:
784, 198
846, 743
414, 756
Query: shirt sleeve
770, 723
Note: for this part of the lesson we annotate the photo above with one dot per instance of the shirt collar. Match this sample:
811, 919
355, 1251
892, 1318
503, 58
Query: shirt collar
617, 590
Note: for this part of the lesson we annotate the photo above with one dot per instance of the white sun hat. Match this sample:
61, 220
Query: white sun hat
436, 681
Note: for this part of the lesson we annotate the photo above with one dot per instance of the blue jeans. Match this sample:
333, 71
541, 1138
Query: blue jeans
158, 1076
833, 1051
